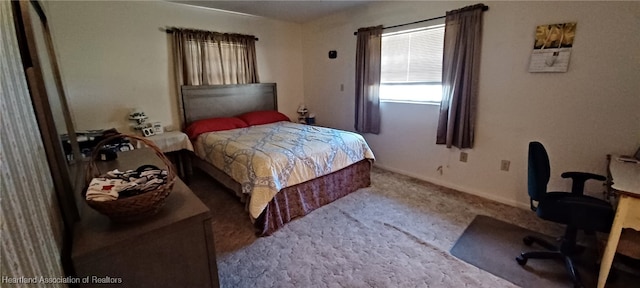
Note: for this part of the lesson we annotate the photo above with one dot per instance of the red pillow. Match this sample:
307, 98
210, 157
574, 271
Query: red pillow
213, 124
263, 117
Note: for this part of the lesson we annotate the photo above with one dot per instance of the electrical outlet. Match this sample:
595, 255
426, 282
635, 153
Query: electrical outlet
463, 156
504, 165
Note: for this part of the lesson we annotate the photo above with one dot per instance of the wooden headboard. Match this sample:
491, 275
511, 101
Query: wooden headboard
201, 102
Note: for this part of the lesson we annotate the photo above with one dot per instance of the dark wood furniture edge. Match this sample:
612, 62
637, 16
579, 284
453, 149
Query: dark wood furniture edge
211, 250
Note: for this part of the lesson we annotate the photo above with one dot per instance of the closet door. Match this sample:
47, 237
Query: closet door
49, 103
32, 225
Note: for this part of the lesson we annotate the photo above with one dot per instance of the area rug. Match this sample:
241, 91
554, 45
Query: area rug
492, 245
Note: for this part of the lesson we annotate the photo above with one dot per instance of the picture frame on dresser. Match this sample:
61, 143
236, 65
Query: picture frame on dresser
52, 113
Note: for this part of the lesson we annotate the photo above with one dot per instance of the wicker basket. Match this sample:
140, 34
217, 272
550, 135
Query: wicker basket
134, 207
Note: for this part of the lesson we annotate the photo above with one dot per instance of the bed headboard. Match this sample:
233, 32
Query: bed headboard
201, 102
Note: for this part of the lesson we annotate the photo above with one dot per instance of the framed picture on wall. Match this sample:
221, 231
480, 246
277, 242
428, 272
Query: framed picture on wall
552, 47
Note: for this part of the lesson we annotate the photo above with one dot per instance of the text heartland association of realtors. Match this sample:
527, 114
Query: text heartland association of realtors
61, 280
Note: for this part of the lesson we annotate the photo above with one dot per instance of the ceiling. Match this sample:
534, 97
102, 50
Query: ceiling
291, 11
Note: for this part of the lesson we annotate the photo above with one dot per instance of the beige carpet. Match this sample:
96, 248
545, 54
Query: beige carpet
396, 233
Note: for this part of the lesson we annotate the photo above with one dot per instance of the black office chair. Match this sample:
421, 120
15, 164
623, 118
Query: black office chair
577, 211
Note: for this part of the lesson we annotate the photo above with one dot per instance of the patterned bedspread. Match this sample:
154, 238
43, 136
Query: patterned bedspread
267, 158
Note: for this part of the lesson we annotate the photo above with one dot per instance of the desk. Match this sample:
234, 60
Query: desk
626, 180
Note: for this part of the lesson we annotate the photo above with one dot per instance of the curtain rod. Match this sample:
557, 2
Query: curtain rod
484, 8
170, 31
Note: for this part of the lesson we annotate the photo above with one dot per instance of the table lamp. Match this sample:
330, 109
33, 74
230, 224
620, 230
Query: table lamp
302, 113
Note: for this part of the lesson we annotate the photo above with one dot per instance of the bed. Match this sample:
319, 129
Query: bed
280, 170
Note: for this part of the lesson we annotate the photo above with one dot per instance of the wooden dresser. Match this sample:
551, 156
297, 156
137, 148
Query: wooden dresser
173, 248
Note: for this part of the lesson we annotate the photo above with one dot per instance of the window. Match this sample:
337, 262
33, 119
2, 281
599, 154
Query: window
218, 61
211, 58
411, 65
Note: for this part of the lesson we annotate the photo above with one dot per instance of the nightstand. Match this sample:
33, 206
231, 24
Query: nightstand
176, 145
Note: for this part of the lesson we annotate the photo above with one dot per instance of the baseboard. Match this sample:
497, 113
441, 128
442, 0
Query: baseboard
467, 190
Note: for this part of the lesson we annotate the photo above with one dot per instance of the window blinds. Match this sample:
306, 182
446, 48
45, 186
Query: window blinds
413, 56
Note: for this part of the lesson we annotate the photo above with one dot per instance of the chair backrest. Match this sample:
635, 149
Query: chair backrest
538, 172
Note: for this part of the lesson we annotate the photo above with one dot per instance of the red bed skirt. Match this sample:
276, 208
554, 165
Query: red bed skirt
299, 200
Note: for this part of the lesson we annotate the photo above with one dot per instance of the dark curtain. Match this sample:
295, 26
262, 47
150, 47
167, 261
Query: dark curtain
368, 54
460, 66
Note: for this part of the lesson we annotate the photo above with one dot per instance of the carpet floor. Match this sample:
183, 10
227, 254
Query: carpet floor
396, 233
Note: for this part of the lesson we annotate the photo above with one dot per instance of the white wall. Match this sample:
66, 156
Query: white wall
114, 57
579, 116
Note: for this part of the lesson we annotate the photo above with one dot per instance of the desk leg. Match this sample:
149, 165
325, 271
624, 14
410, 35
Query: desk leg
612, 242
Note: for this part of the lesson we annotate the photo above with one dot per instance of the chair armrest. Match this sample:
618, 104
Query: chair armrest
579, 178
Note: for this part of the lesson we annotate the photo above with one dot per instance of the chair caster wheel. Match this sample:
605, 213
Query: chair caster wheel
527, 241
521, 260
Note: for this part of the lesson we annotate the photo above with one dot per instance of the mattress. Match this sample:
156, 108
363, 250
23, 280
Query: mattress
264, 159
